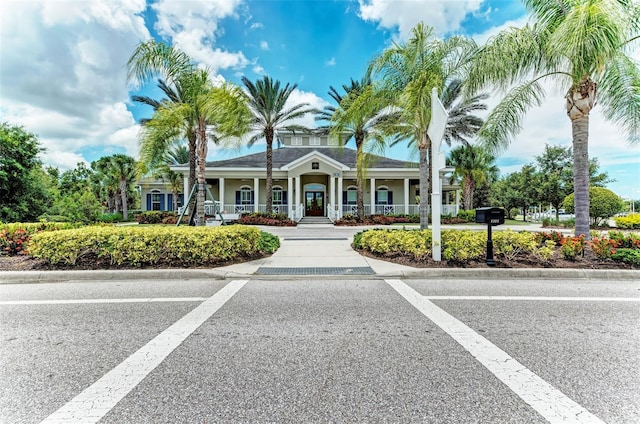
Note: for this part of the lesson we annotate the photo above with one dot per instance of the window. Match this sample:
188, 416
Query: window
156, 201
296, 141
315, 165
382, 196
245, 195
305, 141
315, 141
276, 195
352, 195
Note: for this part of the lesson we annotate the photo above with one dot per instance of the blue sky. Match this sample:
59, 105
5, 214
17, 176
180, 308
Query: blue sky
62, 65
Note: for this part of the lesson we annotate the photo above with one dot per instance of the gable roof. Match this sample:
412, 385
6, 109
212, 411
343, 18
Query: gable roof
285, 155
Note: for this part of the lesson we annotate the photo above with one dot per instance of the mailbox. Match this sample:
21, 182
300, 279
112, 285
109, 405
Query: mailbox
490, 216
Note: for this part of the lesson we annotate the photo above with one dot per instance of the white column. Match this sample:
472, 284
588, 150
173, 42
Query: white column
290, 196
298, 194
186, 190
339, 197
256, 194
221, 193
332, 188
406, 195
373, 196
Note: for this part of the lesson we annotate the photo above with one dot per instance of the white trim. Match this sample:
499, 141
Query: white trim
315, 154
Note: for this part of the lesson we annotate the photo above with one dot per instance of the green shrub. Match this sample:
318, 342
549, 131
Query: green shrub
565, 223
467, 215
156, 217
572, 247
268, 243
603, 203
416, 243
463, 245
110, 217
625, 240
602, 247
262, 218
630, 221
147, 246
628, 256
554, 236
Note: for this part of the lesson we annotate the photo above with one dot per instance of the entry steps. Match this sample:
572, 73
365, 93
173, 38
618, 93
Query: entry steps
315, 220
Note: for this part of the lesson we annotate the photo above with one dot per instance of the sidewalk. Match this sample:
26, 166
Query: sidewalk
310, 251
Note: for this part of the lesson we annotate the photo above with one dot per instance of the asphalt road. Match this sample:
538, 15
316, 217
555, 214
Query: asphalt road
362, 350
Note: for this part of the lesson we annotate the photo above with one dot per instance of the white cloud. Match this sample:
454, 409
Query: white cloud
63, 73
193, 29
264, 45
258, 70
330, 62
443, 15
256, 25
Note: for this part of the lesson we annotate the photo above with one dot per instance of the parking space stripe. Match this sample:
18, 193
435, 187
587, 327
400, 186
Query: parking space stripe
548, 401
539, 298
117, 300
98, 399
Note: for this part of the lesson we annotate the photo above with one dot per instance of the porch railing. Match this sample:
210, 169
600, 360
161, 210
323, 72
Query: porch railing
297, 213
274, 208
332, 213
397, 210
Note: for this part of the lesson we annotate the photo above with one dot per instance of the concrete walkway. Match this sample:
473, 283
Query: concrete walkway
308, 250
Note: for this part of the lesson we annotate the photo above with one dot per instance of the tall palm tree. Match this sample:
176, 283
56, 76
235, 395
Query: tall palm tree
407, 73
474, 165
210, 111
267, 101
360, 115
175, 94
177, 156
582, 46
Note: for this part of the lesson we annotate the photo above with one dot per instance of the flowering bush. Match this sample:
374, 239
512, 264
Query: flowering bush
272, 219
571, 247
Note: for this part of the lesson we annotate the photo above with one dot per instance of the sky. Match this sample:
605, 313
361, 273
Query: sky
63, 66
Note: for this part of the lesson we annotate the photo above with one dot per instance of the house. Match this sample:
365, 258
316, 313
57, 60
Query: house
312, 177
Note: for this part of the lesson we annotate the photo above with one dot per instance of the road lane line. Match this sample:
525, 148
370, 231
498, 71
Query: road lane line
98, 399
115, 300
548, 401
540, 298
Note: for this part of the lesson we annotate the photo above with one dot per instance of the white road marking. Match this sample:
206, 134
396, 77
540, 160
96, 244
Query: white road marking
541, 298
548, 401
98, 399
116, 300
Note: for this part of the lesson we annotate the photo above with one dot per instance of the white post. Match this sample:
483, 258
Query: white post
332, 187
298, 197
186, 192
437, 125
290, 197
406, 196
339, 197
256, 194
221, 193
373, 196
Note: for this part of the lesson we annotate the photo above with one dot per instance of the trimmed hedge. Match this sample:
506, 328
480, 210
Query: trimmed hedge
152, 246
630, 221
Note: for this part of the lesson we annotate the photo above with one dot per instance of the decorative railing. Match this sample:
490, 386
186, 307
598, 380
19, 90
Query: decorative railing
297, 213
274, 208
332, 213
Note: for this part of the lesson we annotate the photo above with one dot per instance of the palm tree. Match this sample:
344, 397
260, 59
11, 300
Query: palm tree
408, 72
175, 94
207, 110
360, 114
474, 165
123, 168
582, 46
177, 156
267, 101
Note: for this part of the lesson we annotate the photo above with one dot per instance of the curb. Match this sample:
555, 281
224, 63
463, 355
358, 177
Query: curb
27, 277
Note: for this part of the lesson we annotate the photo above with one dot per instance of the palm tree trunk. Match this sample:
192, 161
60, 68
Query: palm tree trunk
192, 138
123, 196
424, 189
201, 165
269, 139
580, 129
360, 180
467, 189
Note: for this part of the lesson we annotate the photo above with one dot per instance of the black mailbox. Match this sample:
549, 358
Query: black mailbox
490, 216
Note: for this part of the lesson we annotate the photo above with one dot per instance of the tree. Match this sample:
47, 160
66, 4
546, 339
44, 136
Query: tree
174, 95
581, 45
211, 111
504, 193
177, 156
407, 73
123, 168
360, 115
605, 204
267, 102
473, 164
556, 179
22, 198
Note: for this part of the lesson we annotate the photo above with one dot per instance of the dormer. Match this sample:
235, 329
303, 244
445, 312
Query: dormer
300, 139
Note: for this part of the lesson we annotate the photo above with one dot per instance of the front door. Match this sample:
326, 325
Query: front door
314, 203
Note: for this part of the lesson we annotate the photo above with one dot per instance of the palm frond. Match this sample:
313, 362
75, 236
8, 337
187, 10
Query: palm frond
152, 58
